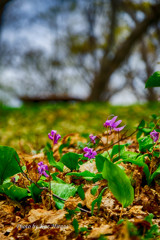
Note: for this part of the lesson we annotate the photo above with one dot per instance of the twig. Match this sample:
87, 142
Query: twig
45, 188
121, 139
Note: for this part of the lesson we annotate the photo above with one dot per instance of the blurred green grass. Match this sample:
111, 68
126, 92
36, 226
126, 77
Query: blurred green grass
29, 125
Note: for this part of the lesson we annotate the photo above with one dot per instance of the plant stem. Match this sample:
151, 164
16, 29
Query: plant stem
45, 188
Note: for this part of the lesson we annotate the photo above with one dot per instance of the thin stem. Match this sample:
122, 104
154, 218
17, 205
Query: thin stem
118, 145
45, 188
121, 139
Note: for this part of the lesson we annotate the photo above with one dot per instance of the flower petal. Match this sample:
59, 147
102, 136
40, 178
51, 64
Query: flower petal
119, 129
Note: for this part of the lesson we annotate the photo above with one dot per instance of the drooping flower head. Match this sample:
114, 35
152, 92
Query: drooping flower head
112, 124
42, 169
54, 136
92, 137
90, 153
154, 135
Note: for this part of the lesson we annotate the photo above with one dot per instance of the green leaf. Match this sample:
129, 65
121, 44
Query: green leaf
149, 218
64, 145
94, 190
153, 80
139, 161
98, 201
35, 191
100, 162
142, 124
129, 155
145, 143
64, 191
118, 183
52, 162
83, 229
87, 175
70, 160
116, 149
9, 160
157, 172
76, 226
81, 192
57, 179
13, 191
140, 127
71, 213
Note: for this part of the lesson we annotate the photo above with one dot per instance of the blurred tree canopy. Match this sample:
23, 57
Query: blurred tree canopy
105, 46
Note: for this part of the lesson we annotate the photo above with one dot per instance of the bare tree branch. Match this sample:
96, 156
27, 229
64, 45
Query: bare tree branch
108, 66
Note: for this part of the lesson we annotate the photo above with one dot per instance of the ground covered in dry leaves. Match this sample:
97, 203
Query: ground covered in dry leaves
29, 220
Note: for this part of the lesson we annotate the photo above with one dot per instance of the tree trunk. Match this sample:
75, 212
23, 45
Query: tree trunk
3, 4
107, 66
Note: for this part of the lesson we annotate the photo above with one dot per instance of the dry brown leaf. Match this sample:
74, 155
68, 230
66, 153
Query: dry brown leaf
102, 230
88, 166
89, 198
47, 217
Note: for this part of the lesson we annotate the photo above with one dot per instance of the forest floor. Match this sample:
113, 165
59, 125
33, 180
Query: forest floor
26, 130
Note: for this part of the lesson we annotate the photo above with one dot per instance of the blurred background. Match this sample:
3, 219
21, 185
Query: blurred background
53, 51
98, 50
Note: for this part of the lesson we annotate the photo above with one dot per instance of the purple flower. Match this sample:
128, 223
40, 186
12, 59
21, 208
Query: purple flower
42, 168
154, 135
54, 136
90, 153
112, 124
92, 137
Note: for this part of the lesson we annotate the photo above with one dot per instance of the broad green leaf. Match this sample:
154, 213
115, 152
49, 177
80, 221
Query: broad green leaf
52, 161
142, 124
118, 183
94, 190
106, 154
60, 189
57, 179
35, 191
70, 160
157, 172
64, 145
9, 163
139, 161
64, 191
97, 200
149, 218
116, 149
81, 192
100, 159
153, 80
87, 175
145, 143
13, 191
129, 155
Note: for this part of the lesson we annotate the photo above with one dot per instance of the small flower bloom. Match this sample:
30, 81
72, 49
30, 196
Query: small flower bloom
42, 169
90, 153
112, 124
154, 135
54, 136
92, 137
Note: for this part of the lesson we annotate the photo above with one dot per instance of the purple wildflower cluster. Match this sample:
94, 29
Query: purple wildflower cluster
112, 124
54, 136
42, 169
154, 135
90, 153
92, 137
